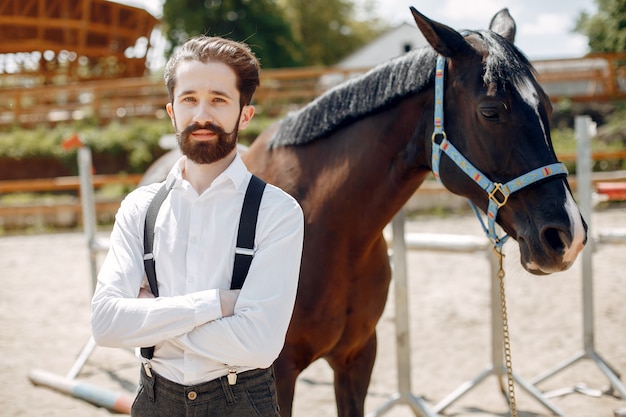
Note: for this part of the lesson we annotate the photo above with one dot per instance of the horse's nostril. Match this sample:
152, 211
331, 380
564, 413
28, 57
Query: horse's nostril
555, 239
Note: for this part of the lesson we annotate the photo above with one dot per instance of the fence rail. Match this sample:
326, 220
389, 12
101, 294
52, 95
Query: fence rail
65, 208
58, 211
597, 77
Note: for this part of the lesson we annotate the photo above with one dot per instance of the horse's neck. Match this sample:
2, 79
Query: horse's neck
385, 161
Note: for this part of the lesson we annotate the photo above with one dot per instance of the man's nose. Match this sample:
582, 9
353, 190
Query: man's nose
203, 114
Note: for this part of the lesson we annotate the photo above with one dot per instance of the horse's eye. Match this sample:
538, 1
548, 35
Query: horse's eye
490, 113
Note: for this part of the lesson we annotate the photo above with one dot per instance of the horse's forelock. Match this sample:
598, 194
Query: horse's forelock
357, 98
505, 63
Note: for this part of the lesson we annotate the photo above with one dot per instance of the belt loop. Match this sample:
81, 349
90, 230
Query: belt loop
228, 392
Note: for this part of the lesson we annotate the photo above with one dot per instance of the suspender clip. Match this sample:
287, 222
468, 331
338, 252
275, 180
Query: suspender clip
148, 368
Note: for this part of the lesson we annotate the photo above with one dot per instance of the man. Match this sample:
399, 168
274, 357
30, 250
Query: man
214, 347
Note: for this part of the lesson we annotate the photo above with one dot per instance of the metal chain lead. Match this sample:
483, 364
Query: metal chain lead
506, 337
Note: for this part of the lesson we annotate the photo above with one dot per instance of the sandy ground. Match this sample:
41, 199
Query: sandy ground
44, 317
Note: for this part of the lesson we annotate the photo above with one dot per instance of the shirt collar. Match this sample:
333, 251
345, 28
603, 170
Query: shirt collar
236, 173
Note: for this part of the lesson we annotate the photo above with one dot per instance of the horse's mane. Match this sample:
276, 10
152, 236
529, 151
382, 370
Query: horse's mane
391, 81
358, 97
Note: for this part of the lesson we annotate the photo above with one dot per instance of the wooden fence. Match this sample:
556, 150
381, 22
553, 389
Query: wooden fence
67, 212
598, 77
64, 208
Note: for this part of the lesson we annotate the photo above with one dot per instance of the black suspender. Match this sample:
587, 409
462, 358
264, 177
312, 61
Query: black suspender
148, 237
244, 251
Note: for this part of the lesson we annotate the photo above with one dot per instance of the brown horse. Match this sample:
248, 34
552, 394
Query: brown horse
355, 155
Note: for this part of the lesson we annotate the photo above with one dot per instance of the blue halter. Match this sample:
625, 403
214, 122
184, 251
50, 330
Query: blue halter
497, 193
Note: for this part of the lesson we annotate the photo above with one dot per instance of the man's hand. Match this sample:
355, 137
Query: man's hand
145, 293
228, 298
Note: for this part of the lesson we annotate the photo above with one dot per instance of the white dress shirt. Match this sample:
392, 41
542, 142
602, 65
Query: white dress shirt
194, 249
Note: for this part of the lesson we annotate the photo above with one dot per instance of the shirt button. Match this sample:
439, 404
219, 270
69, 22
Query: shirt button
192, 395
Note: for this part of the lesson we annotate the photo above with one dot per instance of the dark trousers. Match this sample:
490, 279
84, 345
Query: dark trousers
254, 395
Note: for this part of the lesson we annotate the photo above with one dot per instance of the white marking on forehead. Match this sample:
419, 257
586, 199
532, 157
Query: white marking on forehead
528, 92
521, 81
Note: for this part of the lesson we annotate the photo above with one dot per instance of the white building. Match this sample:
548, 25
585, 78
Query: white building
389, 45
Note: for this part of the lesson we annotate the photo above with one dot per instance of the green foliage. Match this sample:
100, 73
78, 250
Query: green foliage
606, 29
282, 33
260, 23
329, 32
137, 140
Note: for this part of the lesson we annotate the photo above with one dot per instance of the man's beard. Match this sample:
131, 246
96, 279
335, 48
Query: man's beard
210, 151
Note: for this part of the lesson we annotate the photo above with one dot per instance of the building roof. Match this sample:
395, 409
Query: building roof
66, 30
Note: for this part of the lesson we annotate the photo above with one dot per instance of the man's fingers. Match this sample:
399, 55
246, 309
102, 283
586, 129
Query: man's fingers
145, 293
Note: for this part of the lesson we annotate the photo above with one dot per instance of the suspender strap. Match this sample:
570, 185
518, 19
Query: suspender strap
244, 251
148, 256
148, 237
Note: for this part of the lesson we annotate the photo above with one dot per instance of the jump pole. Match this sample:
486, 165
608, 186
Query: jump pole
404, 396
94, 245
497, 367
444, 243
117, 402
114, 401
583, 173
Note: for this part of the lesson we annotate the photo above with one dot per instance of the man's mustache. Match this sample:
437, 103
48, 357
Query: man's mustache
218, 130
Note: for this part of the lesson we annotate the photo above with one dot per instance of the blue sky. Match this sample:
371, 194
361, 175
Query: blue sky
544, 27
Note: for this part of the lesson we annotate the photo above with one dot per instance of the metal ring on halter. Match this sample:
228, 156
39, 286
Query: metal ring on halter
443, 135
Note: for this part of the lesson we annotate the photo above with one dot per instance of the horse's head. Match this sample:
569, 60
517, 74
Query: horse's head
497, 118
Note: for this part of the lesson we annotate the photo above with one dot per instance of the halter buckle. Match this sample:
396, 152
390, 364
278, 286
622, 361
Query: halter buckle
497, 187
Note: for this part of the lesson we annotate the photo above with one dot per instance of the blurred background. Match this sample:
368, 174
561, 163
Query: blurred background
89, 73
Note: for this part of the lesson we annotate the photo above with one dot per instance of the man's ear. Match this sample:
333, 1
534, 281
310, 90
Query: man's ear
170, 112
247, 112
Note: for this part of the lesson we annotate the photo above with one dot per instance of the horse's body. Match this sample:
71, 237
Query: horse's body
353, 157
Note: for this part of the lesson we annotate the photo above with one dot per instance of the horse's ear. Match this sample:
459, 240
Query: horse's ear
445, 40
504, 25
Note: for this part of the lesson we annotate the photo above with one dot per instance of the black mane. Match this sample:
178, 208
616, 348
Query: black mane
358, 97
408, 74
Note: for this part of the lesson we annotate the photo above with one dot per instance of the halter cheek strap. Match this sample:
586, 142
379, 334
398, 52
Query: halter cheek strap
497, 193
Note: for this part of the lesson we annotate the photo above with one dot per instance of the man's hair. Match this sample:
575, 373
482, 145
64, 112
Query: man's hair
236, 55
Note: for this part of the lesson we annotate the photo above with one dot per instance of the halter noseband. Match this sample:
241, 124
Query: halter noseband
497, 193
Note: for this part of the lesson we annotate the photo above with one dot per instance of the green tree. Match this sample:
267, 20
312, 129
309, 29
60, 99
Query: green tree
282, 33
329, 30
606, 29
260, 23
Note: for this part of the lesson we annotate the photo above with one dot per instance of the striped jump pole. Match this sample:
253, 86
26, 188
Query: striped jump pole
114, 401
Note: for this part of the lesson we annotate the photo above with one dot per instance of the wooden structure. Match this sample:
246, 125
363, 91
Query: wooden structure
87, 59
597, 78
60, 41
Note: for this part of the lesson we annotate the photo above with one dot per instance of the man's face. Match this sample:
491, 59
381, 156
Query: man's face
205, 110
